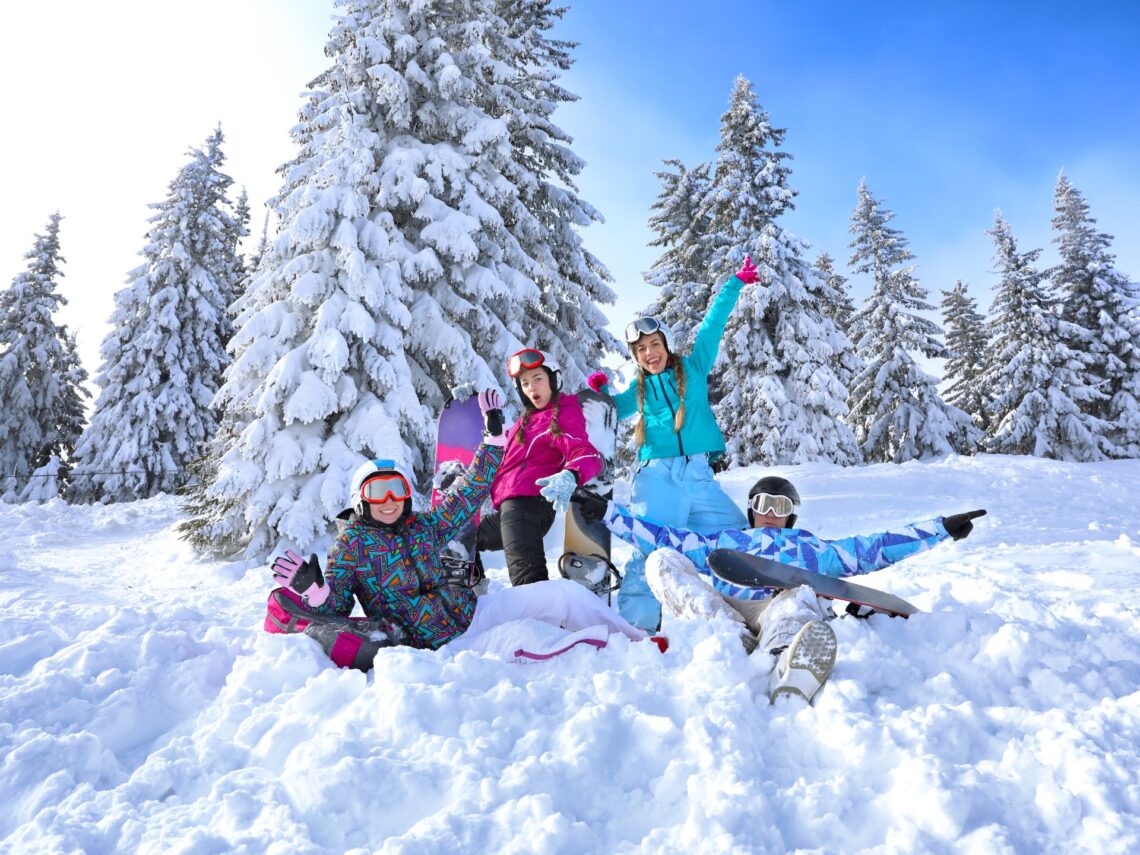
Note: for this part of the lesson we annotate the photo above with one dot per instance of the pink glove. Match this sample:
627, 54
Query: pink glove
304, 577
598, 382
490, 405
748, 273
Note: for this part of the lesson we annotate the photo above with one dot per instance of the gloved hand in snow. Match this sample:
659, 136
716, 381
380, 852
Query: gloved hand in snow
958, 526
558, 488
304, 577
598, 382
748, 272
462, 392
592, 506
490, 405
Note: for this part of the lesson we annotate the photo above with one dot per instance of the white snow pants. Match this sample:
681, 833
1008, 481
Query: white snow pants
556, 602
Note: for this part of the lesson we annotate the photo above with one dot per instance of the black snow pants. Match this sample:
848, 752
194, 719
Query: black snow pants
517, 528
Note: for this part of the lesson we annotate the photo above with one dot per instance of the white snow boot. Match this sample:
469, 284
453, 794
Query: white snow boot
805, 665
786, 615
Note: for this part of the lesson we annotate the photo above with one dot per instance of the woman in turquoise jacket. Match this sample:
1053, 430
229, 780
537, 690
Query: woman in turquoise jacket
677, 437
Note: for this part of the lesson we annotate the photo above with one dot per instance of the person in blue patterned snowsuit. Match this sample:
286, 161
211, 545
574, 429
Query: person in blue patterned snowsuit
789, 623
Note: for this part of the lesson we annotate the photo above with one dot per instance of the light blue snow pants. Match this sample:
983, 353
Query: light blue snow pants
679, 492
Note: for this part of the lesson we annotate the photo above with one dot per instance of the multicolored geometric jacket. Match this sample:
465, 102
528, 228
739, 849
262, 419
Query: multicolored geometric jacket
395, 571
849, 556
700, 434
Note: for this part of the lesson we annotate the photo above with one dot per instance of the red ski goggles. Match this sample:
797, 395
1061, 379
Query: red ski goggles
640, 327
524, 359
765, 504
391, 487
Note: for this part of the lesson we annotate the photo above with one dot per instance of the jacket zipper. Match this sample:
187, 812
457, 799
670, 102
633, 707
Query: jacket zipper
672, 412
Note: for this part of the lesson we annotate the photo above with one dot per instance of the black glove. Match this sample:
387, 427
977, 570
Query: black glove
592, 506
958, 526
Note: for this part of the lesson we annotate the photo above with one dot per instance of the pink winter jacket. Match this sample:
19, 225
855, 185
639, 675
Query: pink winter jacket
543, 454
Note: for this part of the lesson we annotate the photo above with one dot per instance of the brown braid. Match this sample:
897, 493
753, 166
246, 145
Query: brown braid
555, 428
679, 419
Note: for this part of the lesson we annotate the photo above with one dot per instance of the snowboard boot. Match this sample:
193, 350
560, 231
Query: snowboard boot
805, 664
674, 580
785, 616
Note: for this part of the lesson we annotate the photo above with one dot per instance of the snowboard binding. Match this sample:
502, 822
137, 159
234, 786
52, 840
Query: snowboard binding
596, 572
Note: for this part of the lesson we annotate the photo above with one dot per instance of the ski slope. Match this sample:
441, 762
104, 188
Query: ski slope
143, 710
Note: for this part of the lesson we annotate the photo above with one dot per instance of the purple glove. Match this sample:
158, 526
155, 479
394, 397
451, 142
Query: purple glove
490, 405
748, 273
304, 577
598, 382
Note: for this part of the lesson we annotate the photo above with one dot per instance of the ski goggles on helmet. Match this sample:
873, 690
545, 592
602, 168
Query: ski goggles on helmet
640, 327
524, 359
386, 487
766, 504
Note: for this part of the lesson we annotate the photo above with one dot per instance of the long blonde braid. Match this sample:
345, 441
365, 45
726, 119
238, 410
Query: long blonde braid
679, 419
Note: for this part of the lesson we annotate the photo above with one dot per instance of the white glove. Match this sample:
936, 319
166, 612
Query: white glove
558, 488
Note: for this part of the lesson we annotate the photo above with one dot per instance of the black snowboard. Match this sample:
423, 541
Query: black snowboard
753, 571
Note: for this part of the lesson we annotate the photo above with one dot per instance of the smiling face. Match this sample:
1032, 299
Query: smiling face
386, 512
651, 353
535, 384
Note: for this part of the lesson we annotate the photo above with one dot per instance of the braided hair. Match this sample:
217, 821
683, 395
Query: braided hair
679, 419
529, 408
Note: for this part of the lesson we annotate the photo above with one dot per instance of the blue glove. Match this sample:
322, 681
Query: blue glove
557, 489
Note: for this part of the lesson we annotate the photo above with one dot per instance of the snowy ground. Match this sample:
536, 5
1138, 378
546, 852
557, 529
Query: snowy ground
142, 708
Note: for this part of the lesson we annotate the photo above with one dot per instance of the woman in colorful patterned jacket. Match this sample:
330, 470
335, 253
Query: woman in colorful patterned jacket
388, 558
547, 455
677, 436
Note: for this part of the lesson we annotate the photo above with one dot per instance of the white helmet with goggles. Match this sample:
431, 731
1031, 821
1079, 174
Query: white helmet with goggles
378, 481
528, 358
647, 326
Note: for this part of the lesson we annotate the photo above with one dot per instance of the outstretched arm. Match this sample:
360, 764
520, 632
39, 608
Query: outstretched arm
711, 331
646, 535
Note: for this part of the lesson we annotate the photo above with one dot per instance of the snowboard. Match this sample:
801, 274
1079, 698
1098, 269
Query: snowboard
586, 546
459, 434
753, 571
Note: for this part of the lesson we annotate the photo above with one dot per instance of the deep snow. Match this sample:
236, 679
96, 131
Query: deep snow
142, 708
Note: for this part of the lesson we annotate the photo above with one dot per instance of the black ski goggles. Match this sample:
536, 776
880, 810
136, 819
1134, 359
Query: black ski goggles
766, 504
523, 360
391, 487
640, 327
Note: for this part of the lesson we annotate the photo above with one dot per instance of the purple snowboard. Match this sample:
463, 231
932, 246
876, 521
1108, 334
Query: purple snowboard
458, 436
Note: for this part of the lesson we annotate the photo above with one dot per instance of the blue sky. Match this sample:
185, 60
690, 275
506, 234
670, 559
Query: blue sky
948, 110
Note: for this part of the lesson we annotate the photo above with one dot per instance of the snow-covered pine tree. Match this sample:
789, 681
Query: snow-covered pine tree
777, 396
966, 346
163, 358
41, 378
546, 219
1038, 394
1103, 309
836, 304
408, 259
681, 271
895, 406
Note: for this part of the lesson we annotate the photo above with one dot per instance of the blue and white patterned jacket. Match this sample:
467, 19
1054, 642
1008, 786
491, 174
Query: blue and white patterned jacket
849, 556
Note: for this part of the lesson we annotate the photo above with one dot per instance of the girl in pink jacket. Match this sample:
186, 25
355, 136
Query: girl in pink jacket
547, 455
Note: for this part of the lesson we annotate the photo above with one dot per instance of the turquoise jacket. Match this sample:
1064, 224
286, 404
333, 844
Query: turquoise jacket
700, 433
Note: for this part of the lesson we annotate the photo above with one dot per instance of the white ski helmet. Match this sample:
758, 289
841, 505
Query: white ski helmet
372, 469
532, 357
647, 326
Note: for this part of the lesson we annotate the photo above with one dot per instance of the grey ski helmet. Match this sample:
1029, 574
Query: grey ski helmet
647, 326
774, 485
